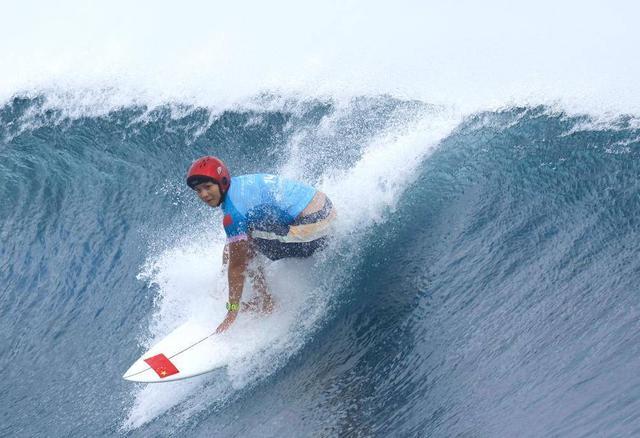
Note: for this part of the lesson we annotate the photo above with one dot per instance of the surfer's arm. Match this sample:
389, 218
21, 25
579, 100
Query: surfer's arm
239, 256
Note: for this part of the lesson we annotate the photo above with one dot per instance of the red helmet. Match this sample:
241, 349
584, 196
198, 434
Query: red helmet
209, 169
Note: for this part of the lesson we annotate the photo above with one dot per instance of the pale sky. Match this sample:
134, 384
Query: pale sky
463, 53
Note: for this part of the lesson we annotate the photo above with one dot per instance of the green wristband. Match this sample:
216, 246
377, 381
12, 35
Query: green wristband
233, 307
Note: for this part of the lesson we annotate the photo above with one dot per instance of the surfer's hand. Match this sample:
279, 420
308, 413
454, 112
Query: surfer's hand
228, 320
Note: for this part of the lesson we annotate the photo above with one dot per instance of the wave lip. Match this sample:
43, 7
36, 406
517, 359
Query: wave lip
481, 58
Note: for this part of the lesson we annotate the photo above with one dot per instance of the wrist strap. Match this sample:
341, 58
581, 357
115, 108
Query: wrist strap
233, 307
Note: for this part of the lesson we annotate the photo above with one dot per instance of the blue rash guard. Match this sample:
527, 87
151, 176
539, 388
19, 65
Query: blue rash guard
263, 202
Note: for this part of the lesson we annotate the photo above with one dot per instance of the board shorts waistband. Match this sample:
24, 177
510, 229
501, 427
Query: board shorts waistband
319, 215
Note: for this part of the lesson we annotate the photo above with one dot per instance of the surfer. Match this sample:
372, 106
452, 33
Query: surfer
265, 214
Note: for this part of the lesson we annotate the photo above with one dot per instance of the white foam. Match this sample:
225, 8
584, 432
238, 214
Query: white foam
191, 286
367, 192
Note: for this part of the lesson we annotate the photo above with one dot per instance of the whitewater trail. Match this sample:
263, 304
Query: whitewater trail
190, 288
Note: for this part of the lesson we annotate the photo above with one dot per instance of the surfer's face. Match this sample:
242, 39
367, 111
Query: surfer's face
209, 193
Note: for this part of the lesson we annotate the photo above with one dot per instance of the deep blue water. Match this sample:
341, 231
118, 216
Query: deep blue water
497, 295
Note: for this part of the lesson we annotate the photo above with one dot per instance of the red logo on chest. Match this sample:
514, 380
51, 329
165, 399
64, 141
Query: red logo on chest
228, 220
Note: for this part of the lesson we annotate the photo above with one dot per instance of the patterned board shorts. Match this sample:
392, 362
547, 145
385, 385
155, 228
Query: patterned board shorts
305, 235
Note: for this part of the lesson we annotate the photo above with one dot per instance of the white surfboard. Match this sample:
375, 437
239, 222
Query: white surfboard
190, 350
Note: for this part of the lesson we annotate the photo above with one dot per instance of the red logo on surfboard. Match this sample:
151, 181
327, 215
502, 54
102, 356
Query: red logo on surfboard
162, 365
228, 220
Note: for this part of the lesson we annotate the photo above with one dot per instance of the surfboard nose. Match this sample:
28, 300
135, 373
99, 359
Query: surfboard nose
188, 351
137, 368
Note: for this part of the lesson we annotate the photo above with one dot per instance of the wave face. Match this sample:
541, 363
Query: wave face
484, 278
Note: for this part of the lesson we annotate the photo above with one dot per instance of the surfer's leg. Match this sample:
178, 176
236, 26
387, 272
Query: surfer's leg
262, 302
259, 283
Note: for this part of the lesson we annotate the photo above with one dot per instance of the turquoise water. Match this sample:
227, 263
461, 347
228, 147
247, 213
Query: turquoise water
485, 285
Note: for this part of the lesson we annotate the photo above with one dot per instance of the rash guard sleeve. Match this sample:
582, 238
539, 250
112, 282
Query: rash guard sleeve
235, 225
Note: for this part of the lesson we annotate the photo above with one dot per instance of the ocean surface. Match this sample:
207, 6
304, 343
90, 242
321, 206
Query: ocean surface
483, 280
